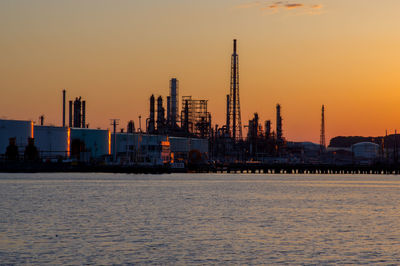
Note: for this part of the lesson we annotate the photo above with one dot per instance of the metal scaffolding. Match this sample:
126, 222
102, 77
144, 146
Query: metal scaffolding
235, 123
195, 117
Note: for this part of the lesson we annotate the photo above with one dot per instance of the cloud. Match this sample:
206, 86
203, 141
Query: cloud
293, 6
273, 7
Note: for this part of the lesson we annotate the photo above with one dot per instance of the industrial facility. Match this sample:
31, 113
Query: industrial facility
179, 132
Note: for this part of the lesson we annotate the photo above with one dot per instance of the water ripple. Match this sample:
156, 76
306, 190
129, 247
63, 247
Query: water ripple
198, 219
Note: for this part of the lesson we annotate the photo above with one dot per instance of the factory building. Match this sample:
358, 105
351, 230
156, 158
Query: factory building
137, 148
85, 144
182, 147
193, 121
157, 149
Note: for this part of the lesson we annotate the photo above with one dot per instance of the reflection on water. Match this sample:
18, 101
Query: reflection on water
199, 219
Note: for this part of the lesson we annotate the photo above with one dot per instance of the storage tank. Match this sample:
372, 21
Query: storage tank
20, 130
365, 150
51, 141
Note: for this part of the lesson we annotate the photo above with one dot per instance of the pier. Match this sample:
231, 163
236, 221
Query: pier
307, 169
234, 168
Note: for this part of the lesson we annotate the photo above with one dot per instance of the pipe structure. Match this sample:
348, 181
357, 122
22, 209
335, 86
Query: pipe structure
151, 126
278, 122
174, 101
63, 108
70, 113
77, 112
160, 114
267, 129
83, 114
168, 110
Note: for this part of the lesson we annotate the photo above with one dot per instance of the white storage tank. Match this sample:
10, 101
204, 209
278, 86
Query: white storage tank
365, 150
20, 130
51, 141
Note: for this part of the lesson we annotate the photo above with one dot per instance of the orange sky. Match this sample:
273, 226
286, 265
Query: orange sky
115, 54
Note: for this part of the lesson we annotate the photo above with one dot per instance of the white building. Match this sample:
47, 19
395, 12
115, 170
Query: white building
182, 146
142, 148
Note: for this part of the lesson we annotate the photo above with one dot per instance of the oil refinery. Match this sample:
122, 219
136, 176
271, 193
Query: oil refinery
179, 134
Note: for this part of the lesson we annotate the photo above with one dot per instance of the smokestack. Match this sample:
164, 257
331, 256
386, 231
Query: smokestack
151, 128
186, 113
63, 110
174, 101
168, 110
70, 113
131, 127
234, 46
77, 112
83, 114
267, 129
160, 114
278, 123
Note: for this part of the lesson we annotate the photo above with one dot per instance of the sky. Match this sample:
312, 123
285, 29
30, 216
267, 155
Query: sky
301, 54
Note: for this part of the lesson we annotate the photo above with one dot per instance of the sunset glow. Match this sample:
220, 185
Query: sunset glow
109, 142
115, 54
32, 130
69, 142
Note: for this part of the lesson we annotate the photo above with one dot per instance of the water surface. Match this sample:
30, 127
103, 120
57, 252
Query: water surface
199, 219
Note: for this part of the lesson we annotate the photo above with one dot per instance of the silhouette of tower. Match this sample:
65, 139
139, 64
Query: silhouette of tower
151, 123
131, 127
267, 129
160, 115
278, 123
322, 137
228, 127
234, 100
174, 102
63, 108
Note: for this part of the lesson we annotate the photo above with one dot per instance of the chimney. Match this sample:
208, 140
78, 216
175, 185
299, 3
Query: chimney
63, 110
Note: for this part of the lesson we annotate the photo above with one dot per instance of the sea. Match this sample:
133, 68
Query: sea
197, 219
